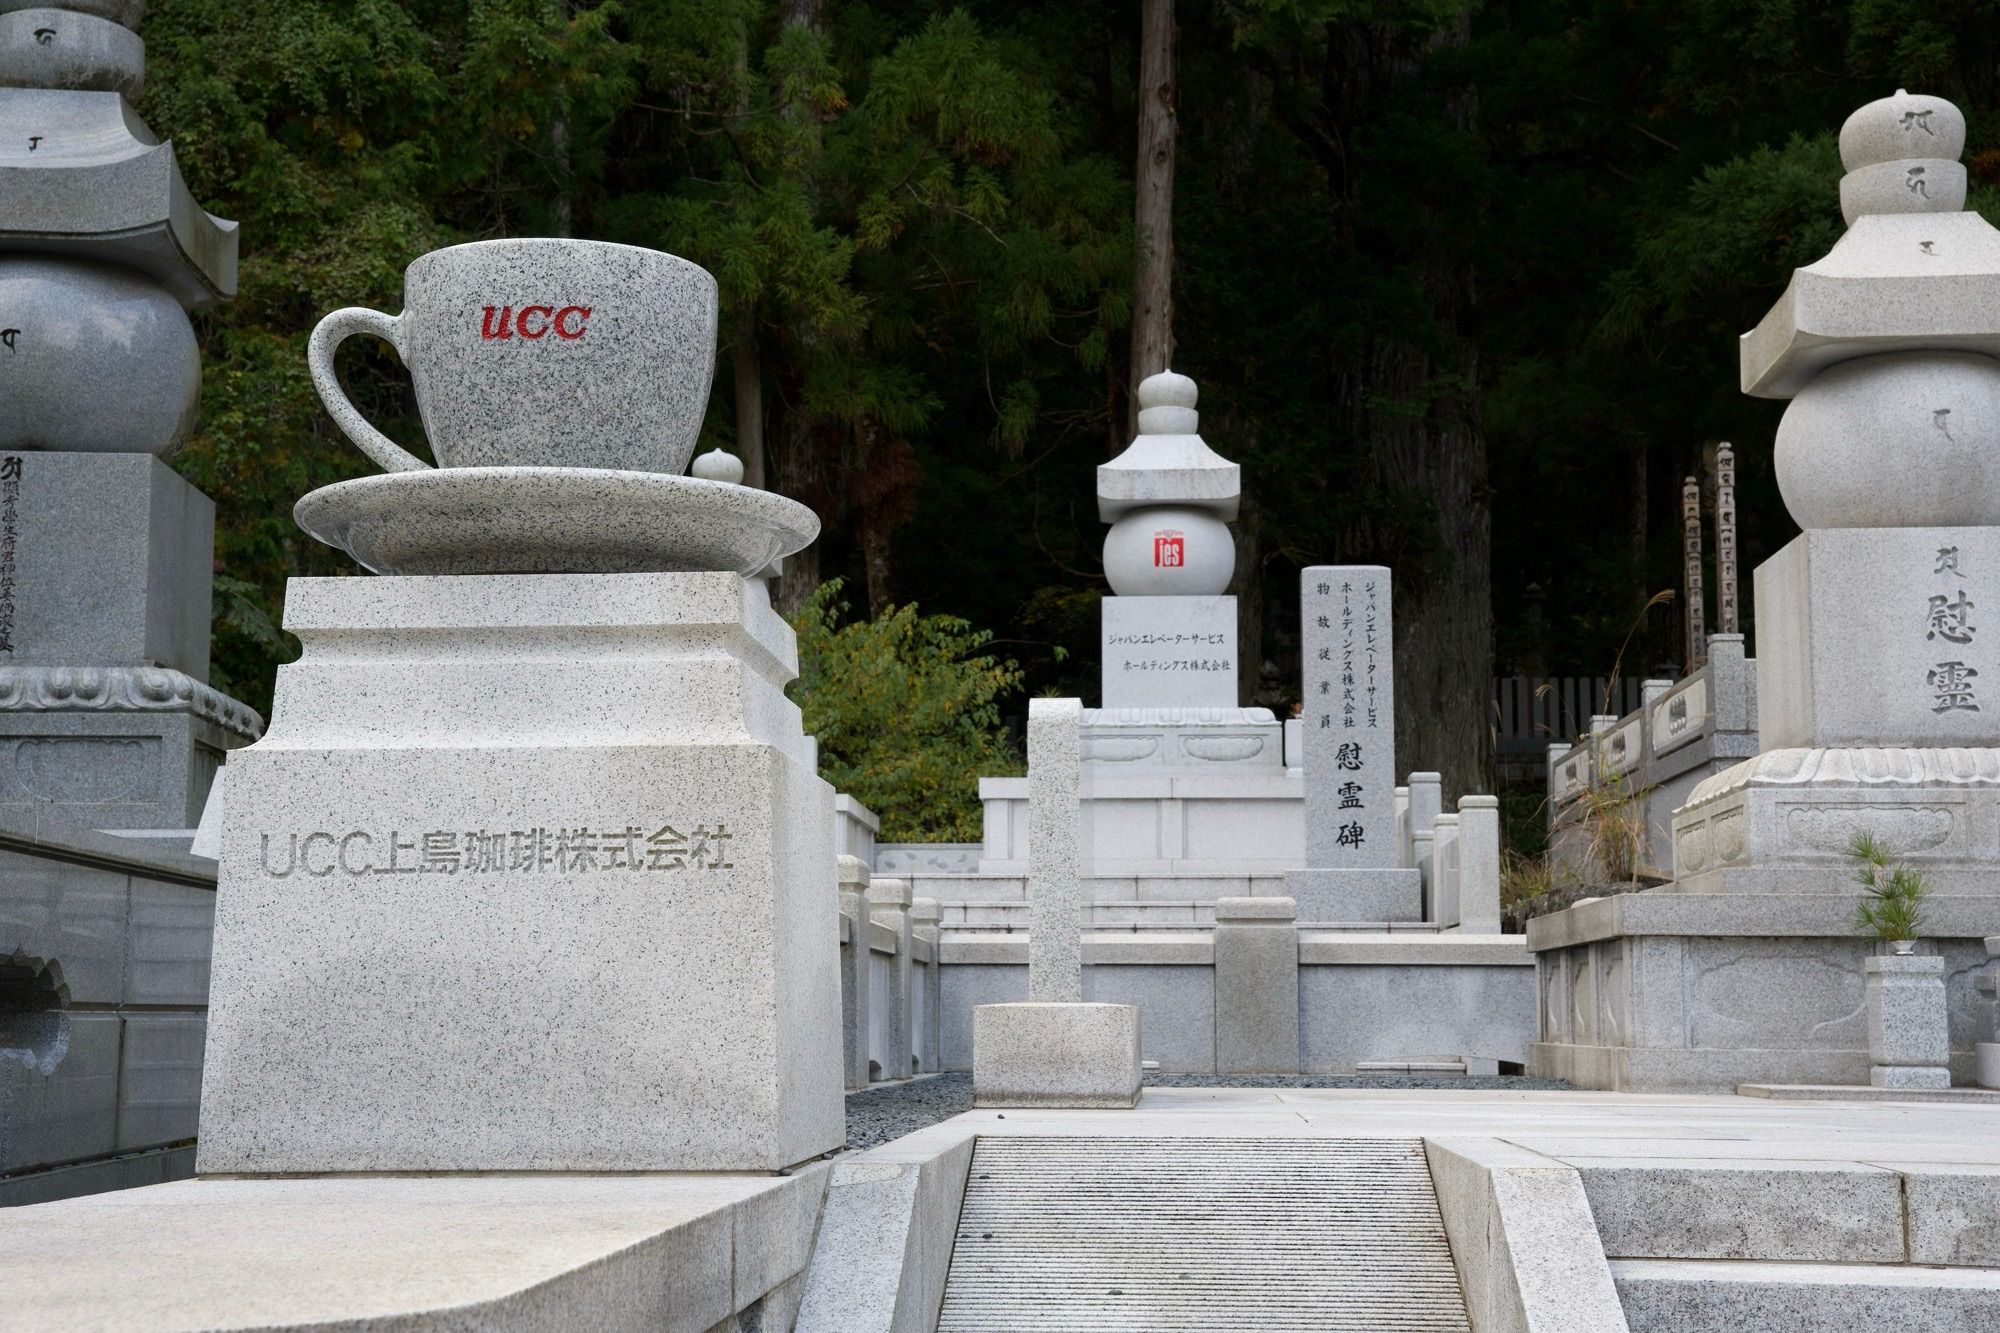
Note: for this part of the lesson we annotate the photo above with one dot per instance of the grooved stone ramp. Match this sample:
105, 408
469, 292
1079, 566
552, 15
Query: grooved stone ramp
1200, 1233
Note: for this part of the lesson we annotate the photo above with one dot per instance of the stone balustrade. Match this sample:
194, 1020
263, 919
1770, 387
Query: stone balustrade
1653, 758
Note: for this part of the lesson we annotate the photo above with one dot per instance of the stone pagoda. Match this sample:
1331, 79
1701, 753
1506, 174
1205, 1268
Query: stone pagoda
1878, 685
107, 719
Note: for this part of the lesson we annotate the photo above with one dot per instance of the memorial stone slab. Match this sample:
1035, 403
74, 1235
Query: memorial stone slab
1350, 717
1169, 652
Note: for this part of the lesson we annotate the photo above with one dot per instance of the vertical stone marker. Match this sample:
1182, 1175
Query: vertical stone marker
1350, 717
1352, 839
1055, 1050
1055, 884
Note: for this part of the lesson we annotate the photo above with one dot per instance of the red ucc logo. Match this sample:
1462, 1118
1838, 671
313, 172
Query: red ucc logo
567, 322
1169, 550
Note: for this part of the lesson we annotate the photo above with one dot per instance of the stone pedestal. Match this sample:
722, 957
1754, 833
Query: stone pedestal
1069, 1054
106, 717
1907, 1041
530, 873
1256, 986
1169, 652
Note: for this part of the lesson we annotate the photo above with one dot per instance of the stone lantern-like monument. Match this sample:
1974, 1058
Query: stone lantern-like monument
106, 556
1878, 683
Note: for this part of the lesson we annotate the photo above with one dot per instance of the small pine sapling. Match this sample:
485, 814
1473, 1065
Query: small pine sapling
1893, 909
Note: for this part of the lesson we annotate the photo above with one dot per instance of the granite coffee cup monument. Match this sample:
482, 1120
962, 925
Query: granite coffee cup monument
531, 870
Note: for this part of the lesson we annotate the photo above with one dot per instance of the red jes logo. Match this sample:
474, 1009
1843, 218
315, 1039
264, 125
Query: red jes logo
1169, 549
534, 321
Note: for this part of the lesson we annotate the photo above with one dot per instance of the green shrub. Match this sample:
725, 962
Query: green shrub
907, 711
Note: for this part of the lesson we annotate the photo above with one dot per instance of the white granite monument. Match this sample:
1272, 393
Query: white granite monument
532, 871
107, 719
1356, 868
1878, 690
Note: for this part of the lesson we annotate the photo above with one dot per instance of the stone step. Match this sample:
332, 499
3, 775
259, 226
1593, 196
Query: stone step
1200, 1233
1757, 1209
1414, 1066
1719, 1296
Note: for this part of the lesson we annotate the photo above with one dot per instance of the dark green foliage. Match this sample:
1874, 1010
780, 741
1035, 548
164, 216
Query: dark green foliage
906, 708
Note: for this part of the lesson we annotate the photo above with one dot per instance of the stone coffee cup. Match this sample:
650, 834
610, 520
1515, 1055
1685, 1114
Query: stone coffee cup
541, 353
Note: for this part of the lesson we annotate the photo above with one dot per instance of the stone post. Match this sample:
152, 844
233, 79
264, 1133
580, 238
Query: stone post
924, 916
1908, 1042
1697, 615
1479, 865
1441, 893
1055, 881
1986, 1054
1426, 801
1256, 986
1403, 826
1055, 1050
1423, 858
852, 874
1725, 538
889, 906
1731, 684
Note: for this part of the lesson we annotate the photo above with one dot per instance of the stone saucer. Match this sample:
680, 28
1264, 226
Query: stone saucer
553, 520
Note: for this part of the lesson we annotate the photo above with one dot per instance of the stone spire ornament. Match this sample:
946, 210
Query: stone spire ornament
106, 556
1169, 499
102, 248
1886, 347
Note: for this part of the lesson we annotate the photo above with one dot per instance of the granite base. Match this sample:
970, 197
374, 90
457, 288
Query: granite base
530, 873
1078, 1055
1356, 895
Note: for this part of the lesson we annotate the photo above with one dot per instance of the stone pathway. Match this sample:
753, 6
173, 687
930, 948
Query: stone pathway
890, 1110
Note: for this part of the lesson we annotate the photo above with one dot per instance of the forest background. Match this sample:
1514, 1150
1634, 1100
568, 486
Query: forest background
1460, 286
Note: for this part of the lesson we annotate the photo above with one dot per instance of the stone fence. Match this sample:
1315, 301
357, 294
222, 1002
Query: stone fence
1643, 766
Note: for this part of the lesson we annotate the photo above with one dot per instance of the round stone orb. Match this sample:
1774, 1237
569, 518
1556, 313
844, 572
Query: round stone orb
1169, 551
94, 358
718, 465
1904, 439
1908, 125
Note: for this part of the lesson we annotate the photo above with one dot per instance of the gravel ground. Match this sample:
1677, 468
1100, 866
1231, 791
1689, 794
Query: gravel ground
884, 1113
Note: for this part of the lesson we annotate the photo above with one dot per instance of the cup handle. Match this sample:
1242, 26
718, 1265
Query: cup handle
327, 336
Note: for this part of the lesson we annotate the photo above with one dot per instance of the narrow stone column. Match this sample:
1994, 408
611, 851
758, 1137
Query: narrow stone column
852, 873
1441, 887
1426, 802
889, 905
1256, 986
1055, 1050
1422, 857
924, 917
1479, 865
1055, 884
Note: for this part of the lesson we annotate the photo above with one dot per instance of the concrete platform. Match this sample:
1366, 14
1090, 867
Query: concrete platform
511, 1252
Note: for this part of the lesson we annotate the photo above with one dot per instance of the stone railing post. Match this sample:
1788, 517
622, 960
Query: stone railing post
852, 874
1479, 865
924, 916
1256, 986
1441, 900
889, 905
